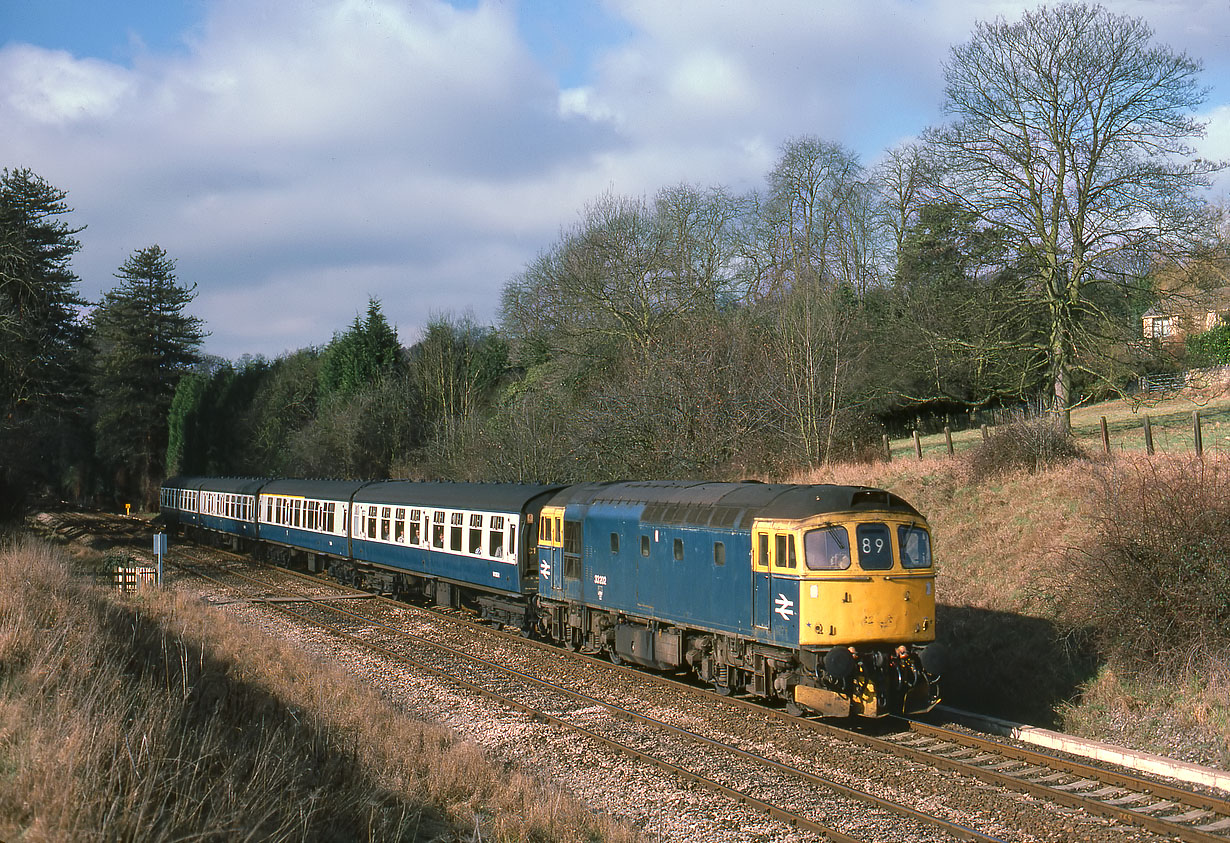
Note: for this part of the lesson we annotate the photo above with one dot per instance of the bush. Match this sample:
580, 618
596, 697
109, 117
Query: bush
1153, 586
1030, 446
1211, 348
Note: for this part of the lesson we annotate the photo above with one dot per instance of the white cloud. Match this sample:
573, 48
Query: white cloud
51, 88
298, 157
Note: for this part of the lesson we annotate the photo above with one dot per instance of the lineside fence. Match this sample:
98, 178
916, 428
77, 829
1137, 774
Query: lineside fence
1199, 432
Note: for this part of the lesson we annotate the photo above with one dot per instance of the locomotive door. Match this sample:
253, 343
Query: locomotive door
762, 596
551, 548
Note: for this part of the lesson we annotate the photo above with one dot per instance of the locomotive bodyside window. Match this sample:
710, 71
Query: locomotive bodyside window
719, 553
875, 547
827, 549
644, 545
614, 542
915, 546
678, 550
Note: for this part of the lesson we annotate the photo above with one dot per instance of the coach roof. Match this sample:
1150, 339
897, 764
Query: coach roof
488, 497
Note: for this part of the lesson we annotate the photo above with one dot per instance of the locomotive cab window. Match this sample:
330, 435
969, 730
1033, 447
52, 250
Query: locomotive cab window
827, 549
785, 557
915, 547
875, 547
762, 551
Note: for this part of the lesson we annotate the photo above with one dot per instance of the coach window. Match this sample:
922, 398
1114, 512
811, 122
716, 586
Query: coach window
414, 528
454, 541
330, 517
495, 538
372, 520
386, 523
719, 554
678, 550
644, 545
512, 539
437, 529
614, 542
476, 533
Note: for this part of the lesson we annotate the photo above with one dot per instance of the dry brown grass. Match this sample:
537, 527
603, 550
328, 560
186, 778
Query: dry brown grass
157, 719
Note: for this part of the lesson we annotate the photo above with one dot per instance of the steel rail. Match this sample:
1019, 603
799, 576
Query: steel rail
791, 818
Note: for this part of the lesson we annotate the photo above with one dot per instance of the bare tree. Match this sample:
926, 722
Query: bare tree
1072, 132
625, 272
902, 180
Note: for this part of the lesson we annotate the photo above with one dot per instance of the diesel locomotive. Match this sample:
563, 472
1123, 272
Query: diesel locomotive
818, 596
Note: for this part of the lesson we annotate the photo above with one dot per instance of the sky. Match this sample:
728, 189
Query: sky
298, 158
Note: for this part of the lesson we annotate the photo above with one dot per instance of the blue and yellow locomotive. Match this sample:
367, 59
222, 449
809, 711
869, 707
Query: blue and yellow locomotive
820, 596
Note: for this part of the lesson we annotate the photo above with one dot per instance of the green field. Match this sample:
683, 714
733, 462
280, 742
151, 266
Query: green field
1171, 419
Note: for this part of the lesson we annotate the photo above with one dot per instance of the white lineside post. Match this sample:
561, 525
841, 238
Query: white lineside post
160, 550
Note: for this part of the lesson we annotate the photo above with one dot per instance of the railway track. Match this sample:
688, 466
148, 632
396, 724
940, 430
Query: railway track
1159, 807
802, 799
1133, 804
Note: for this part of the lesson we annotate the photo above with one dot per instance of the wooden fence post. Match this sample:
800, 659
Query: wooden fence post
1148, 435
948, 439
1105, 436
985, 433
888, 451
917, 444
1199, 439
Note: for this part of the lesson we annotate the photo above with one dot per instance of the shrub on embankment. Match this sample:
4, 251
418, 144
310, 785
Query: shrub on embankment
155, 718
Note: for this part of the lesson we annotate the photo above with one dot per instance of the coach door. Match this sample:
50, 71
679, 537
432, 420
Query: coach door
762, 595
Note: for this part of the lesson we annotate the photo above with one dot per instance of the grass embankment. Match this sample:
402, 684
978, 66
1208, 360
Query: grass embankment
156, 718
1036, 571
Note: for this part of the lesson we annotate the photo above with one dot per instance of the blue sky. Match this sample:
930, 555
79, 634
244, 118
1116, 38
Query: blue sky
297, 158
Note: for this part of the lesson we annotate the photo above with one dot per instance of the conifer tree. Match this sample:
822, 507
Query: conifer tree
42, 419
360, 356
145, 342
